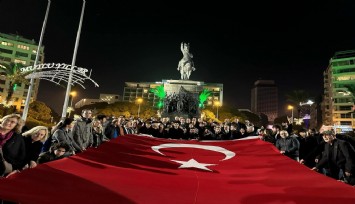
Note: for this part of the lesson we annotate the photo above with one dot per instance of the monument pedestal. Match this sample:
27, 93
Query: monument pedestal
182, 98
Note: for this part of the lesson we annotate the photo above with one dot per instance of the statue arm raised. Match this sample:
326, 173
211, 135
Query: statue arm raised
182, 47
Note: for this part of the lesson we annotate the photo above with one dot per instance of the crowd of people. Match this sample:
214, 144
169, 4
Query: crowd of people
327, 153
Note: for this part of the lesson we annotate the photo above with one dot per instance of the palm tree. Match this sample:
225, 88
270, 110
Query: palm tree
296, 97
203, 97
13, 74
160, 93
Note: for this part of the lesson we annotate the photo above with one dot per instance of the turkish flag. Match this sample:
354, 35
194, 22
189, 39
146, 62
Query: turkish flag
141, 169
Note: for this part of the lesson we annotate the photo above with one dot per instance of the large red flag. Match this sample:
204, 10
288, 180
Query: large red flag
140, 169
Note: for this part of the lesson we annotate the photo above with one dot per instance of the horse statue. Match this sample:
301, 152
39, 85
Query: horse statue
186, 65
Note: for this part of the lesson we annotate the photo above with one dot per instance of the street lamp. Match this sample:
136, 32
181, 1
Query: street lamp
217, 104
289, 107
139, 101
72, 95
309, 102
307, 117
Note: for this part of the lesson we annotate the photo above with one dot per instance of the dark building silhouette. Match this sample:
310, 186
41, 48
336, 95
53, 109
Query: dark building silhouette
264, 98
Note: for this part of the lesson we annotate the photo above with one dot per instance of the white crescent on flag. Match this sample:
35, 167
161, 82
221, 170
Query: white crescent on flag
192, 163
227, 153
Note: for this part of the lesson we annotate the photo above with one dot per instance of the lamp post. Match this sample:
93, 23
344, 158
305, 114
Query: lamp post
139, 101
289, 107
70, 79
217, 104
30, 87
72, 95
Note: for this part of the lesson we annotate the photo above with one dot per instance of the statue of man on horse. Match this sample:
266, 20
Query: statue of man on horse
186, 65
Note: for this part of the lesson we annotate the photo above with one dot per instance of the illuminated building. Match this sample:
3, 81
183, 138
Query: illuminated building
16, 49
339, 87
134, 90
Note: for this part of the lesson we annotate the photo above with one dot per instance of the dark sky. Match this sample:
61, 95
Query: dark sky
232, 43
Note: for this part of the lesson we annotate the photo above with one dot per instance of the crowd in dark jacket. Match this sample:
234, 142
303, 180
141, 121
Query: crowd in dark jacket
327, 153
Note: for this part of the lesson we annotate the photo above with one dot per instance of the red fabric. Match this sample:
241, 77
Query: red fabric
5, 137
127, 170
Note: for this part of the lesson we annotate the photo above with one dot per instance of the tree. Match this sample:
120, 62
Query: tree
160, 93
203, 97
252, 117
13, 74
209, 115
40, 111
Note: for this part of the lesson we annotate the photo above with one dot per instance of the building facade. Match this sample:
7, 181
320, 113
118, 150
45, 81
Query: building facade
264, 98
19, 50
108, 98
339, 90
134, 90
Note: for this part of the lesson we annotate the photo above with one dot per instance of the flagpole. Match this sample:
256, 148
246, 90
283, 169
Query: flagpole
29, 91
65, 106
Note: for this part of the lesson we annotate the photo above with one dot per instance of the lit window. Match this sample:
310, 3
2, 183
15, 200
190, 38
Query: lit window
145, 90
20, 61
7, 44
24, 47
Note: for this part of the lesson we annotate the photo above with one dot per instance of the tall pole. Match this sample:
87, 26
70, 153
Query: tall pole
28, 98
292, 115
65, 106
139, 109
71, 105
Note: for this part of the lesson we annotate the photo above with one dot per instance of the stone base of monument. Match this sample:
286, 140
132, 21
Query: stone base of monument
182, 98
174, 86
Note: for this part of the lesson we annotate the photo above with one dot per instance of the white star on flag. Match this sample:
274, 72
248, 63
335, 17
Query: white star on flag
193, 164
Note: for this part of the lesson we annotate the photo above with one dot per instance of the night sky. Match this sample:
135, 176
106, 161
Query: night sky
289, 42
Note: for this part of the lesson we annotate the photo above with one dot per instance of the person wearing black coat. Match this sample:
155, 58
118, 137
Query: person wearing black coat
64, 134
337, 155
57, 151
12, 145
307, 145
34, 139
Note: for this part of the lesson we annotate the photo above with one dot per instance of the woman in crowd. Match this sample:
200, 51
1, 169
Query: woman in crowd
64, 135
12, 145
34, 139
97, 132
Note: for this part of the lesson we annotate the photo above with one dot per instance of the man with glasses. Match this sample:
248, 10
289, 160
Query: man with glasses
338, 156
82, 130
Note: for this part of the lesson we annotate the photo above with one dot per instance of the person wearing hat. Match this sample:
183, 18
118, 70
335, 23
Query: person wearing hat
337, 156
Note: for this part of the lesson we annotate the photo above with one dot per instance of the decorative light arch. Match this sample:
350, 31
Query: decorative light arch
58, 73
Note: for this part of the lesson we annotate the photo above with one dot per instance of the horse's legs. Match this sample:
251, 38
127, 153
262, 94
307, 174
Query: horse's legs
188, 73
182, 73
